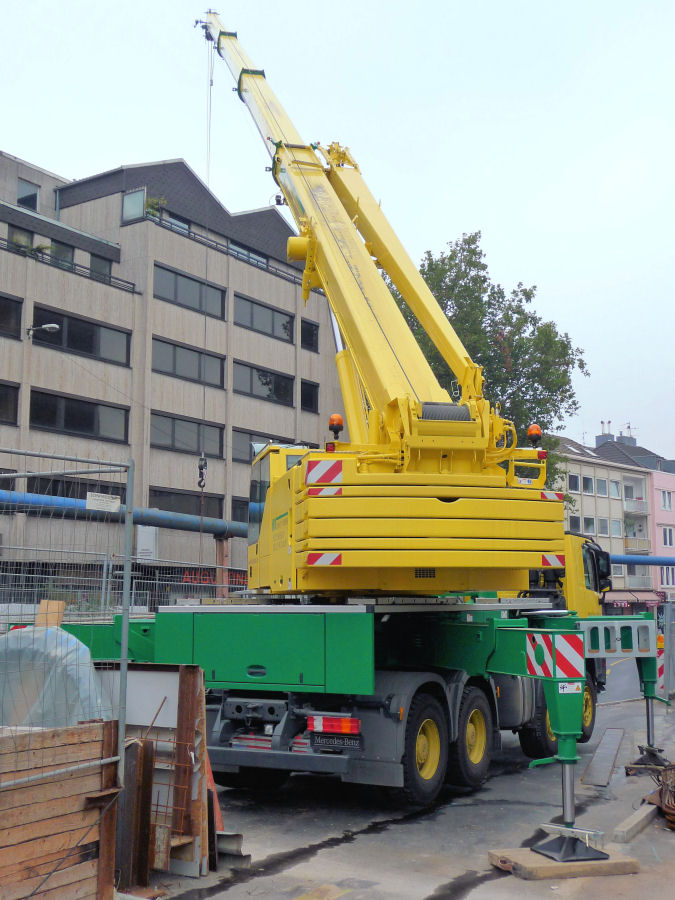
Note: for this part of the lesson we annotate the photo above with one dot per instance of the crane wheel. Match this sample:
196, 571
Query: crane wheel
470, 755
425, 756
537, 740
589, 710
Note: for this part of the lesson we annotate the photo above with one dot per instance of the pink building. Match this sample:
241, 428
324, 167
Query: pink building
663, 529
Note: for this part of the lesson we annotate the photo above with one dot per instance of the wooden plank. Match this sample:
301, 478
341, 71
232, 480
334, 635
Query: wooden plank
188, 688
127, 834
41, 865
145, 814
36, 738
37, 812
10, 837
531, 866
39, 846
50, 613
25, 797
62, 877
160, 847
11, 764
106, 861
83, 890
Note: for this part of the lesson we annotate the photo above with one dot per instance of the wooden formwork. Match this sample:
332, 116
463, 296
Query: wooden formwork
57, 831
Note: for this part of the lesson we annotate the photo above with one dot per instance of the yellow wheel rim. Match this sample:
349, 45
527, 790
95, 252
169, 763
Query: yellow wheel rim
476, 736
587, 716
549, 730
428, 749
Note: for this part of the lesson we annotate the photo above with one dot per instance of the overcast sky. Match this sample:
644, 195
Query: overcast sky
547, 126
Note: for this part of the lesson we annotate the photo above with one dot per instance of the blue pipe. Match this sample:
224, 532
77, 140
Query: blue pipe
642, 560
72, 508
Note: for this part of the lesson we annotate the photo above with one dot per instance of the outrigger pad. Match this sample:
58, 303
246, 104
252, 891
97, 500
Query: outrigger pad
568, 849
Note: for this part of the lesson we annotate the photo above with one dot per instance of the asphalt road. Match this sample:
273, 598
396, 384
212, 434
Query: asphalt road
319, 839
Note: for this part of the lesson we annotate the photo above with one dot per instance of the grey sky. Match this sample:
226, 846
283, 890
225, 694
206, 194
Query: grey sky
548, 126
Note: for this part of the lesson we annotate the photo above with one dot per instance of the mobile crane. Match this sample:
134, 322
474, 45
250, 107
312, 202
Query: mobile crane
412, 591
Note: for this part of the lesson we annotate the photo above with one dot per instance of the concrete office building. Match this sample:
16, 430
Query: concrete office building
181, 329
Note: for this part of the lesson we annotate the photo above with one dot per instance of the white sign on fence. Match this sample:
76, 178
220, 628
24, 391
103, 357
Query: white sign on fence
103, 502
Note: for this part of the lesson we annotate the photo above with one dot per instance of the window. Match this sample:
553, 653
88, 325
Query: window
82, 337
133, 205
617, 569
186, 502
264, 384
19, 238
242, 443
668, 576
309, 396
258, 317
62, 255
601, 487
573, 483
182, 362
27, 194
239, 509
666, 500
189, 292
667, 537
185, 435
628, 491
589, 525
176, 223
603, 527
9, 403
100, 268
10, 317
247, 255
575, 524
309, 335
615, 490
617, 529
587, 484
74, 416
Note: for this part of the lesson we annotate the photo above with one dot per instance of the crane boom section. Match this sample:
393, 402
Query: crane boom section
387, 356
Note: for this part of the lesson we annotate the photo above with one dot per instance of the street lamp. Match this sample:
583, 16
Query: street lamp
50, 328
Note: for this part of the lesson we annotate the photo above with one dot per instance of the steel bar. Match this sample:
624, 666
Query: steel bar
45, 776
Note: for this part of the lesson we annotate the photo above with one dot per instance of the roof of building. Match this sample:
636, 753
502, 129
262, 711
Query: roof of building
569, 447
186, 195
629, 454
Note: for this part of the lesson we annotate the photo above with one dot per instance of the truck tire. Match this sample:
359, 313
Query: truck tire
590, 708
470, 755
254, 780
537, 740
425, 757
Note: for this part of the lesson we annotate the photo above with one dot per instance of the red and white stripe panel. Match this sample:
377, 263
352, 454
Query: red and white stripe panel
552, 495
660, 671
324, 492
553, 560
545, 667
324, 471
324, 559
569, 656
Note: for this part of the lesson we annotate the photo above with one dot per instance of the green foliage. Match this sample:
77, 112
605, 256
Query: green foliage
527, 363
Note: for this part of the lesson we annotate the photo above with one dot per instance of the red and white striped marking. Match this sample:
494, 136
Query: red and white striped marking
324, 492
324, 559
552, 495
556, 560
660, 671
545, 668
569, 656
324, 471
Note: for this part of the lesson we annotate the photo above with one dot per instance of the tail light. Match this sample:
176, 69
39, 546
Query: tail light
334, 724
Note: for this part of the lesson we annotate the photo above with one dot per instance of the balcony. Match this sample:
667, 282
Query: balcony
641, 507
638, 581
637, 545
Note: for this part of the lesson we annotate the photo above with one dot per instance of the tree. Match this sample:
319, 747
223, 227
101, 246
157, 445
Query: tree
527, 363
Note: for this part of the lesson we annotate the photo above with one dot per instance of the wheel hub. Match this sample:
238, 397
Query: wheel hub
428, 749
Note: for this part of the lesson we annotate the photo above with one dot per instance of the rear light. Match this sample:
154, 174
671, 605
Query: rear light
330, 447
542, 454
334, 724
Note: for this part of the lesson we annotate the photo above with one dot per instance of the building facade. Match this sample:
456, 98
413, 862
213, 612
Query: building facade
181, 331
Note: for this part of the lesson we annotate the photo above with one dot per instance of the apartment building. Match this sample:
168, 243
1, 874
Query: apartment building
181, 331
